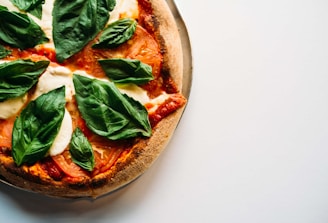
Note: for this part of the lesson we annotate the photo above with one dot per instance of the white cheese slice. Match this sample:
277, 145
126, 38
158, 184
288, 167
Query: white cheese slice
55, 77
12, 106
46, 22
135, 92
64, 136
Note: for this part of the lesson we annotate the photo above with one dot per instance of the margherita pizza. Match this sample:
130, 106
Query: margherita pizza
89, 92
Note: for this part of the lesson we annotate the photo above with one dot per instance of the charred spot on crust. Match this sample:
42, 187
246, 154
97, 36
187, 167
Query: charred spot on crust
168, 83
79, 185
99, 182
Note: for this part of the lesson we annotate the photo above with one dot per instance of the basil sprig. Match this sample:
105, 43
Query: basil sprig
75, 23
32, 6
121, 70
19, 30
81, 150
108, 112
19, 76
116, 33
37, 126
4, 52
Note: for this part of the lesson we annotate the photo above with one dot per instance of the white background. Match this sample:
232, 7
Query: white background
252, 144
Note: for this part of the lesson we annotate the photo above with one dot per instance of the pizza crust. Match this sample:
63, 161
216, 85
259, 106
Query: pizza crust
169, 36
144, 153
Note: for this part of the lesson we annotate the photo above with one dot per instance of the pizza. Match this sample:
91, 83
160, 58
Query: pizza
90, 92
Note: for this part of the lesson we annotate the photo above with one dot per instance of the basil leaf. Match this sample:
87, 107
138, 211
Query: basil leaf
108, 112
127, 70
37, 126
19, 30
32, 6
111, 5
76, 23
116, 33
4, 52
81, 150
19, 76
37, 11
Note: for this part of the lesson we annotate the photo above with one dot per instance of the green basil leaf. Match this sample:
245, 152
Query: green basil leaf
37, 11
116, 33
108, 112
4, 52
19, 30
111, 5
37, 126
121, 70
81, 150
32, 6
19, 76
76, 23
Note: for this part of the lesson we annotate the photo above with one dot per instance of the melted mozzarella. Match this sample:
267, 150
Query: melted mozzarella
46, 22
55, 77
10, 107
64, 136
135, 92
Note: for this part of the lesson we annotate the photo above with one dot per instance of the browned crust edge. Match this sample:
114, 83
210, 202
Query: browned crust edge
144, 154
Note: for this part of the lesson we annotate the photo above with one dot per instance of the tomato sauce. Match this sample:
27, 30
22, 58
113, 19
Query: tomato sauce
6, 129
169, 106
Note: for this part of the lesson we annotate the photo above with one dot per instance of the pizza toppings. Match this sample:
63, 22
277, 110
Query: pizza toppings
86, 91
11, 107
19, 76
76, 23
162, 110
54, 77
116, 33
34, 7
6, 130
66, 166
63, 137
4, 52
125, 71
19, 30
108, 112
81, 151
37, 127
16, 79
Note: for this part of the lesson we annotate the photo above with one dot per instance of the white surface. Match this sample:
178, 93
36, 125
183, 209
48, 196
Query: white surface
252, 145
